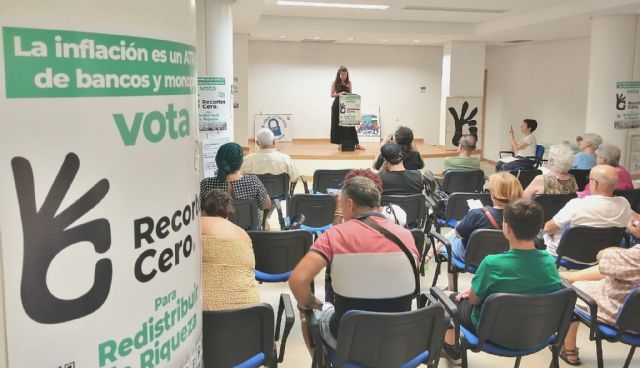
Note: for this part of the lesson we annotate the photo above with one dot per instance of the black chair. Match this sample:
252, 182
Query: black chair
242, 337
328, 179
464, 181
525, 177
481, 243
633, 196
246, 214
371, 339
457, 208
414, 205
513, 325
536, 160
318, 210
581, 176
552, 203
580, 245
626, 330
279, 188
278, 252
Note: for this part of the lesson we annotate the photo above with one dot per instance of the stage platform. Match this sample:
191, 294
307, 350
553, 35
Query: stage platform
312, 154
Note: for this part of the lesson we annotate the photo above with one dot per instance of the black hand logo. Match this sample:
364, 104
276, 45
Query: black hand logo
462, 121
620, 101
46, 234
343, 108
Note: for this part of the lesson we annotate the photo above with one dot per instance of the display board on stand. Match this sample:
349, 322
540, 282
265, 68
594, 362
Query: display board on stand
349, 110
627, 105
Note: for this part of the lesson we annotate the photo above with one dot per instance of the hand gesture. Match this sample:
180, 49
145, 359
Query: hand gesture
462, 120
47, 232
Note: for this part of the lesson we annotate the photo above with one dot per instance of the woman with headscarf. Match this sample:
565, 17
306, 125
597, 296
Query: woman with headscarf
229, 161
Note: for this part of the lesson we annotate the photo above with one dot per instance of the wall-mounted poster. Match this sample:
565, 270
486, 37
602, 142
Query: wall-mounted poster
627, 105
349, 109
369, 130
214, 111
280, 124
464, 116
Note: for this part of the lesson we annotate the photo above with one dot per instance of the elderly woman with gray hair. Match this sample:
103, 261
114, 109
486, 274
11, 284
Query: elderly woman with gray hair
558, 180
586, 158
608, 154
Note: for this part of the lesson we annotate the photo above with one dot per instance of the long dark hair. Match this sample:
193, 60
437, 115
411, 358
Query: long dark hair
404, 137
338, 81
228, 159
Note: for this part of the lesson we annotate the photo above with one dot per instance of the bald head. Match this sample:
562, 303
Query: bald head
606, 177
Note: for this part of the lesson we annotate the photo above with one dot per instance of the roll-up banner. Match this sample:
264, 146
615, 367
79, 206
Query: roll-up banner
99, 214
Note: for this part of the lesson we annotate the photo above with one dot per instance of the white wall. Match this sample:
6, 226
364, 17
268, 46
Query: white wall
544, 81
295, 78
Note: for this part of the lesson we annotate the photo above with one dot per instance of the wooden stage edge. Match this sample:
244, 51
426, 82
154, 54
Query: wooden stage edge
321, 149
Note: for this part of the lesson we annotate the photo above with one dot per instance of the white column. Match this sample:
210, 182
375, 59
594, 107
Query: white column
612, 59
219, 43
243, 123
463, 66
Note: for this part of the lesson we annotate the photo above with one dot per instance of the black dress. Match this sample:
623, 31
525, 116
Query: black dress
339, 133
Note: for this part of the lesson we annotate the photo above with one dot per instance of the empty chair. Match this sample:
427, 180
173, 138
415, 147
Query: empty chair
246, 214
370, 339
328, 179
633, 196
280, 189
482, 243
465, 181
581, 176
626, 330
318, 209
414, 205
514, 325
458, 206
552, 203
525, 177
580, 245
419, 238
242, 337
278, 252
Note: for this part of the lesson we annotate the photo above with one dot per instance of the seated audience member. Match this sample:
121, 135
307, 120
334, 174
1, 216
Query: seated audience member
395, 178
463, 161
229, 161
608, 154
557, 180
504, 188
268, 160
608, 283
355, 251
586, 158
600, 210
228, 262
522, 149
411, 157
523, 269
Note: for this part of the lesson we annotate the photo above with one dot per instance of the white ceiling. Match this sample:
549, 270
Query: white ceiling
436, 21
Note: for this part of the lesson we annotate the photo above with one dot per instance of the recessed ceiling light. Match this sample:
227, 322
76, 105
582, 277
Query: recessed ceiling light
416, 41
333, 5
351, 39
283, 36
384, 40
316, 38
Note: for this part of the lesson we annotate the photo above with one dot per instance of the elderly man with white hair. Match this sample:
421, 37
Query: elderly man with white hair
586, 158
268, 160
557, 180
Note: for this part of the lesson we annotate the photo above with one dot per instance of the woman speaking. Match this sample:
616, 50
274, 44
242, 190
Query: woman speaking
341, 86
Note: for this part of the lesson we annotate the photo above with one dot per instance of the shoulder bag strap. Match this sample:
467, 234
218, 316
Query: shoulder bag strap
389, 235
491, 219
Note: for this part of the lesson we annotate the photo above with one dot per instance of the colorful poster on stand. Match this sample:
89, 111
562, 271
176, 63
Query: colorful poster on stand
627, 105
349, 110
99, 225
214, 106
280, 124
369, 130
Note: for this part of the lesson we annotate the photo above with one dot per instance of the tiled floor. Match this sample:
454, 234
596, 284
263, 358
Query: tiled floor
297, 355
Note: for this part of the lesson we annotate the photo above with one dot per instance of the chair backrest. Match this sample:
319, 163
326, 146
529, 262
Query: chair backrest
483, 242
552, 203
223, 330
318, 209
539, 154
457, 206
629, 316
278, 252
466, 181
372, 339
414, 205
505, 318
418, 238
328, 179
277, 185
525, 177
582, 243
582, 177
633, 196
246, 214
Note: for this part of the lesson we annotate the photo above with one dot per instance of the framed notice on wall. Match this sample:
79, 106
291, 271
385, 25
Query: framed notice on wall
634, 154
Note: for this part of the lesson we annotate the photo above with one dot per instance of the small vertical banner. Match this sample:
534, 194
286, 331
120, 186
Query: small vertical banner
627, 105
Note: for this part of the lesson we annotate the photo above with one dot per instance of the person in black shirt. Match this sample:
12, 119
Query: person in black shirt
395, 178
411, 157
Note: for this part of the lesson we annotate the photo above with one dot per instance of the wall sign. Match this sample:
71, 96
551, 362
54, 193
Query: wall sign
627, 105
214, 106
280, 124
